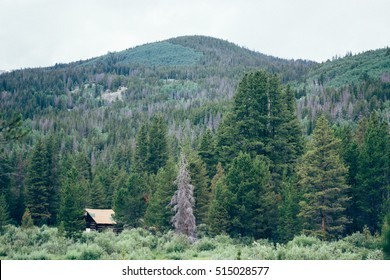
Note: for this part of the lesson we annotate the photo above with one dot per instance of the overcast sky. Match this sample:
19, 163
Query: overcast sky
43, 32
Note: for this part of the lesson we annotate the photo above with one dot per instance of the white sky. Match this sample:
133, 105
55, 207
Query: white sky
43, 32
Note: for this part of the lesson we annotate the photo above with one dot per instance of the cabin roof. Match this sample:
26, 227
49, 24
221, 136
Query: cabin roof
102, 216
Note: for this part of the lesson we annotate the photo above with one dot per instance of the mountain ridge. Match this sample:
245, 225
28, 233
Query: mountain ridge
198, 50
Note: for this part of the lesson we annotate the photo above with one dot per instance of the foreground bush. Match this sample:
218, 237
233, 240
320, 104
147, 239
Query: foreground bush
46, 243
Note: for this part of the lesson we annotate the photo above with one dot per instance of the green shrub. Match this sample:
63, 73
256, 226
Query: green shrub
46, 243
259, 250
174, 257
106, 241
304, 241
223, 239
143, 253
39, 255
88, 237
178, 244
73, 254
90, 252
44, 234
375, 255
222, 252
56, 247
363, 240
205, 244
386, 237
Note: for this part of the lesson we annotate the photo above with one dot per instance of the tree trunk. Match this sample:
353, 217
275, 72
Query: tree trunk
323, 222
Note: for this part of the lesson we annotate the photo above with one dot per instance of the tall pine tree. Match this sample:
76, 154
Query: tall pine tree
322, 177
4, 215
251, 201
373, 176
218, 216
130, 202
38, 189
207, 152
73, 203
263, 121
158, 213
287, 141
289, 224
200, 181
158, 144
53, 180
349, 151
142, 149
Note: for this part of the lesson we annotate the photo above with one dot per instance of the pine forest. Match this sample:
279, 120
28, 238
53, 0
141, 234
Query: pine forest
203, 149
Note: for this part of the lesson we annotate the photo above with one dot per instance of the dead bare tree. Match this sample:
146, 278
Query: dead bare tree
183, 202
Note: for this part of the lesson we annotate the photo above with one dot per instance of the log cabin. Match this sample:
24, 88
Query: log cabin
99, 219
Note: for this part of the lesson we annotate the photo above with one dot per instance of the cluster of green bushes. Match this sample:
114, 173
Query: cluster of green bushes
46, 243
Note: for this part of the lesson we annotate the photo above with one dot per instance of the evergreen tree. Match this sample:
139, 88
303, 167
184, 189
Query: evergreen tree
72, 205
129, 202
98, 198
11, 129
217, 177
276, 106
361, 130
207, 152
251, 201
349, 151
123, 156
83, 165
373, 176
218, 216
5, 187
52, 183
183, 202
288, 223
27, 221
38, 190
15, 191
251, 113
322, 176
158, 144
158, 213
200, 181
5, 171
287, 142
105, 178
121, 179
226, 141
386, 238
263, 121
142, 149
4, 215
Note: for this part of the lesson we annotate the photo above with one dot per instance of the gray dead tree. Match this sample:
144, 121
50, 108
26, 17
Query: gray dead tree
183, 202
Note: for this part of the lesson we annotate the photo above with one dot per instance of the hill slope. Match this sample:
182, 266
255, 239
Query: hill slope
353, 68
193, 50
200, 70
347, 88
154, 54
197, 75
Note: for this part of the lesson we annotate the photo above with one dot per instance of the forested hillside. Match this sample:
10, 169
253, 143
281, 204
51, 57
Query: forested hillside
347, 88
224, 140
